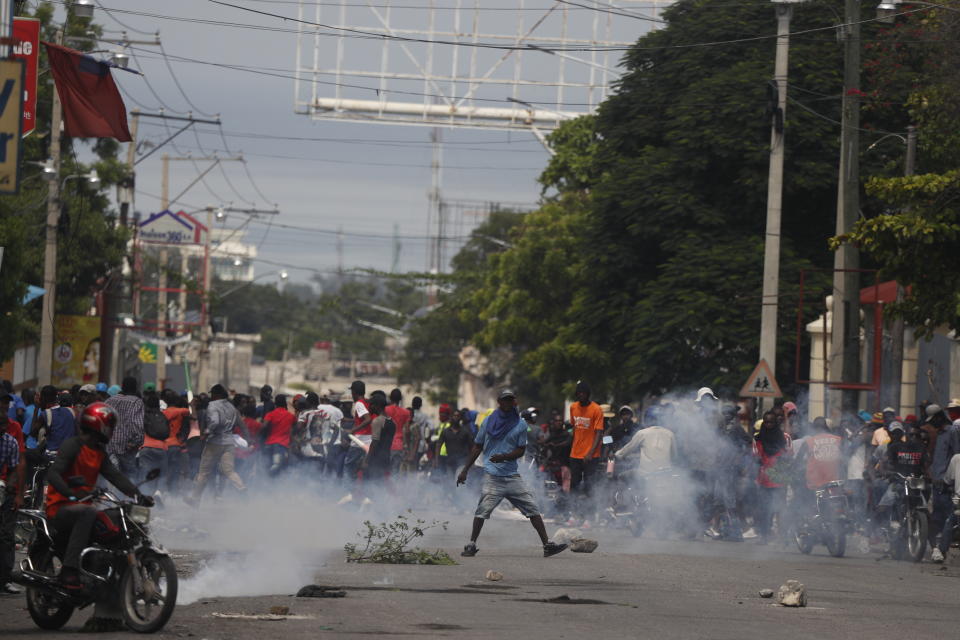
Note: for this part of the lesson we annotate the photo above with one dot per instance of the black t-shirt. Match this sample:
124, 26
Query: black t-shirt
458, 442
558, 443
907, 458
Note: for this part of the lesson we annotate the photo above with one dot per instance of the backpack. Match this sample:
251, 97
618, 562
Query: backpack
155, 425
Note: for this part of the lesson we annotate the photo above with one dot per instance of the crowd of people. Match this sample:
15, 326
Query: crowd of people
746, 474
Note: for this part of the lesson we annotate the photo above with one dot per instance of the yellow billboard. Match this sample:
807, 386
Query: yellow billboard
76, 351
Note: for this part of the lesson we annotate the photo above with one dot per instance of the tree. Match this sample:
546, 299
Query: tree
436, 335
916, 238
650, 278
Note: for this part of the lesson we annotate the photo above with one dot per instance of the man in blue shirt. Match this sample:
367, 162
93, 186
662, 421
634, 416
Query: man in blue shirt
502, 439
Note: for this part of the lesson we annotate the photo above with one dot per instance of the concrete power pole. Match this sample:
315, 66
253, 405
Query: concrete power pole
162, 280
45, 364
771, 256
890, 392
845, 334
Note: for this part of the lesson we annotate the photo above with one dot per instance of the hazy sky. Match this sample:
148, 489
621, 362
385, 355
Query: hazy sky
363, 178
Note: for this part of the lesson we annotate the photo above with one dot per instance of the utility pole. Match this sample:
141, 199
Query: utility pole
897, 326
435, 211
45, 365
162, 280
845, 333
771, 254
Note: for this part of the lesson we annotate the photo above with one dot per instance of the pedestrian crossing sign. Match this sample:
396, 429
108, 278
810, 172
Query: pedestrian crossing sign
761, 383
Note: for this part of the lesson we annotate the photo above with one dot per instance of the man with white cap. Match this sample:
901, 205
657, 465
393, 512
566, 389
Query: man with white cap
502, 439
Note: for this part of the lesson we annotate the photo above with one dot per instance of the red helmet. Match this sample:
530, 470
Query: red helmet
100, 418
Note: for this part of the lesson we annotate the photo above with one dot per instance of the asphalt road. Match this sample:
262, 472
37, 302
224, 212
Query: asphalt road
628, 587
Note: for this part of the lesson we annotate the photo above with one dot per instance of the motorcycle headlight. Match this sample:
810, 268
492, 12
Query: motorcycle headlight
139, 514
917, 483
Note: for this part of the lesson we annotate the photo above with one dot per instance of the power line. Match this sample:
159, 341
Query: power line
180, 88
392, 164
283, 74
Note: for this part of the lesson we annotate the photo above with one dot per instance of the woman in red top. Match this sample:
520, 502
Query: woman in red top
769, 445
278, 424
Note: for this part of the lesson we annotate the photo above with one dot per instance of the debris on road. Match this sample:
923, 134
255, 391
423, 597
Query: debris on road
792, 594
494, 576
583, 545
766, 593
280, 610
268, 617
386, 543
320, 591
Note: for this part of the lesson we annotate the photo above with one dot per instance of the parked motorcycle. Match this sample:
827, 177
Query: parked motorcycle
909, 521
125, 566
828, 524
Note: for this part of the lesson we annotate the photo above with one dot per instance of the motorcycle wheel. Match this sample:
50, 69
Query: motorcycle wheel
917, 530
804, 542
47, 610
835, 537
148, 613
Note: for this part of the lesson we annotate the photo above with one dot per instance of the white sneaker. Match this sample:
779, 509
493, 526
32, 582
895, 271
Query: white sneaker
936, 555
712, 533
345, 499
750, 533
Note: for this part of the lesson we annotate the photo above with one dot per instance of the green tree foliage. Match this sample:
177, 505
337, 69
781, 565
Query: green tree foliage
296, 318
436, 336
916, 239
90, 244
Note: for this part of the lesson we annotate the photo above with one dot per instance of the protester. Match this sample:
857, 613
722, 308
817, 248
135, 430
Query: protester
361, 431
128, 436
502, 441
402, 419
178, 417
587, 420
54, 424
278, 425
770, 445
376, 462
153, 453
13, 474
416, 443
219, 446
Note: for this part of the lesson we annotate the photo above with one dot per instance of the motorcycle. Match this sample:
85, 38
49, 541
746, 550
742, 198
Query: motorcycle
629, 506
829, 524
122, 561
909, 522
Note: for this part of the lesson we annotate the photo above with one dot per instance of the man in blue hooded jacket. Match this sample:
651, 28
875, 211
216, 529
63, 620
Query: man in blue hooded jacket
502, 439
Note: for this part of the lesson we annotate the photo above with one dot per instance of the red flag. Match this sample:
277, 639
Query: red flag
92, 106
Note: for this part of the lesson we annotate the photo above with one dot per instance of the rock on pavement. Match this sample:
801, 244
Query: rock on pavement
792, 594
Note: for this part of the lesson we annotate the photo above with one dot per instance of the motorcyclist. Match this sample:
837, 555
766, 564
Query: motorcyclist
903, 457
83, 457
821, 458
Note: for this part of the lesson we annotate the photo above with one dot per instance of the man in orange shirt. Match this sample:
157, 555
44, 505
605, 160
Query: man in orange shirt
587, 420
178, 415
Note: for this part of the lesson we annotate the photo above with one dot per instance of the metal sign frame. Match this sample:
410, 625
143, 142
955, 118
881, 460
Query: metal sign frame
376, 61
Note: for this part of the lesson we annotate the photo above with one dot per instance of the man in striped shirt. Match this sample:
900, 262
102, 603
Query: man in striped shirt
128, 436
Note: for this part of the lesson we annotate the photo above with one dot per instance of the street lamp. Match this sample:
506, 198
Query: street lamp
92, 177
888, 10
83, 8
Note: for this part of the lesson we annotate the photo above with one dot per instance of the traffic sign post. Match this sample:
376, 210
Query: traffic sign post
26, 36
761, 383
11, 118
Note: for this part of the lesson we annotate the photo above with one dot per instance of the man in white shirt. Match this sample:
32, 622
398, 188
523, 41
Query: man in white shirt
657, 449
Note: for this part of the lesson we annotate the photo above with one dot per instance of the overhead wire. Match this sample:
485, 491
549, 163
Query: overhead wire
176, 81
368, 35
